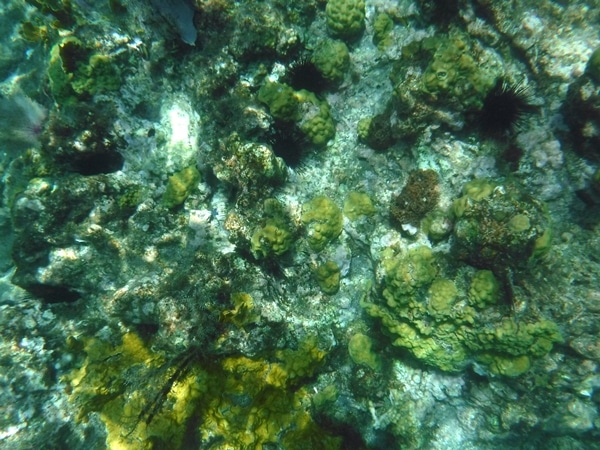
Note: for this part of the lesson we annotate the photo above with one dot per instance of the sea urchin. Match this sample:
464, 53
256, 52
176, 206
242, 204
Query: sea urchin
504, 108
303, 74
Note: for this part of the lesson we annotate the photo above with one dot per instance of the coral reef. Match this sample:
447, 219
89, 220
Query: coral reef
273, 237
146, 306
312, 115
418, 197
498, 227
428, 316
345, 18
328, 277
180, 185
323, 219
332, 59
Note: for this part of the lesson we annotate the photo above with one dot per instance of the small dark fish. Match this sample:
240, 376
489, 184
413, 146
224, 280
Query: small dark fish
180, 14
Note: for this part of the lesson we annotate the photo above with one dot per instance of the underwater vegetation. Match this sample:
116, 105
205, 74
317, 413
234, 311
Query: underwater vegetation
325, 224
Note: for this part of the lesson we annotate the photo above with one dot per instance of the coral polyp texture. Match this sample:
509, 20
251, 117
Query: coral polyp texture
345, 18
289, 225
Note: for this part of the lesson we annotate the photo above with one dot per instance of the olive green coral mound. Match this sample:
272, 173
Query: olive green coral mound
180, 185
273, 237
445, 326
345, 18
332, 59
328, 277
462, 72
312, 115
323, 220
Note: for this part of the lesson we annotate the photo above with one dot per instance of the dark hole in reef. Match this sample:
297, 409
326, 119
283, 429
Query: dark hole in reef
97, 163
512, 156
53, 294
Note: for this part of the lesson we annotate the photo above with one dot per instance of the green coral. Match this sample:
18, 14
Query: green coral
324, 221
361, 352
406, 274
484, 289
345, 18
180, 185
312, 115
382, 29
316, 122
332, 58
458, 71
431, 318
238, 401
274, 235
357, 205
328, 277
281, 99
498, 227
442, 297
75, 72
437, 225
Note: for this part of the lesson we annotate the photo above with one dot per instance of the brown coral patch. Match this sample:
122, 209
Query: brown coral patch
419, 196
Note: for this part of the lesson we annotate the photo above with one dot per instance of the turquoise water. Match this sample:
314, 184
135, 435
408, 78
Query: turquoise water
299, 225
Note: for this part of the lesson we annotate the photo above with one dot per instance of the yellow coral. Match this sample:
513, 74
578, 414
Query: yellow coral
238, 402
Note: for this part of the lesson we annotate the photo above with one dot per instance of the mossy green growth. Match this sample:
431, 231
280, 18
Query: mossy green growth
76, 72
59, 78
458, 72
328, 277
357, 205
484, 290
382, 30
509, 366
129, 200
361, 352
100, 74
345, 18
243, 312
592, 69
180, 185
332, 58
323, 220
273, 237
